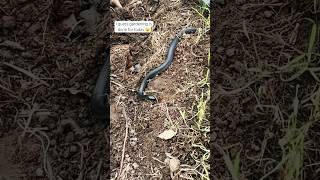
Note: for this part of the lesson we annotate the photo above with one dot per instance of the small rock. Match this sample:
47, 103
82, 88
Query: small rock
137, 67
133, 143
132, 69
12, 45
127, 157
70, 137
132, 131
230, 52
8, 22
267, 14
39, 172
174, 164
73, 149
135, 165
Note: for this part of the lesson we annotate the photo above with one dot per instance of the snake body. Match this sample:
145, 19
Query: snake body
170, 55
99, 100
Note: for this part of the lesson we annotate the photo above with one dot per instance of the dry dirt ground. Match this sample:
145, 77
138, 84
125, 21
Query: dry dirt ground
49, 53
265, 100
140, 122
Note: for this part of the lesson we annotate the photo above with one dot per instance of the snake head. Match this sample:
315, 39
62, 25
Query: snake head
142, 96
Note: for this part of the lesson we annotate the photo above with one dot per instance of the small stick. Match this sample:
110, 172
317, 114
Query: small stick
25, 129
116, 3
99, 170
125, 141
26, 73
9, 90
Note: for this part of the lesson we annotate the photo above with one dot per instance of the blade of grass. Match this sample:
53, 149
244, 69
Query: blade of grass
233, 166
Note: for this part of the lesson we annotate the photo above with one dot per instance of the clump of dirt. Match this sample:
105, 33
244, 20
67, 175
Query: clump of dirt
254, 100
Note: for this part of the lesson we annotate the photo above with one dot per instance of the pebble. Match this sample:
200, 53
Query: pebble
230, 52
137, 67
73, 149
132, 131
267, 14
174, 164
134, 139
135, 165
133, 143
8, 22
39, 172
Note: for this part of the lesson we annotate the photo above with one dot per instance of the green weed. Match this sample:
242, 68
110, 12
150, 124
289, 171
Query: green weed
305, 61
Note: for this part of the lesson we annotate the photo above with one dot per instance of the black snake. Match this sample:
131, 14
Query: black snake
165, 65
100, 100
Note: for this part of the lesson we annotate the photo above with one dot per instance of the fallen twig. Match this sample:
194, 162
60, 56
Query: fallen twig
99, 169
124, 142
26, 73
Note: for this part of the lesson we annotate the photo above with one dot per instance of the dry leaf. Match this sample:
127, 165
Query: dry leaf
70, 22
90, 17
167, 134
174, 165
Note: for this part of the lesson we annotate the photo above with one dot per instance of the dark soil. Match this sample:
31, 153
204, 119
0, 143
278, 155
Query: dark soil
51, 54
251, 104
46, 80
